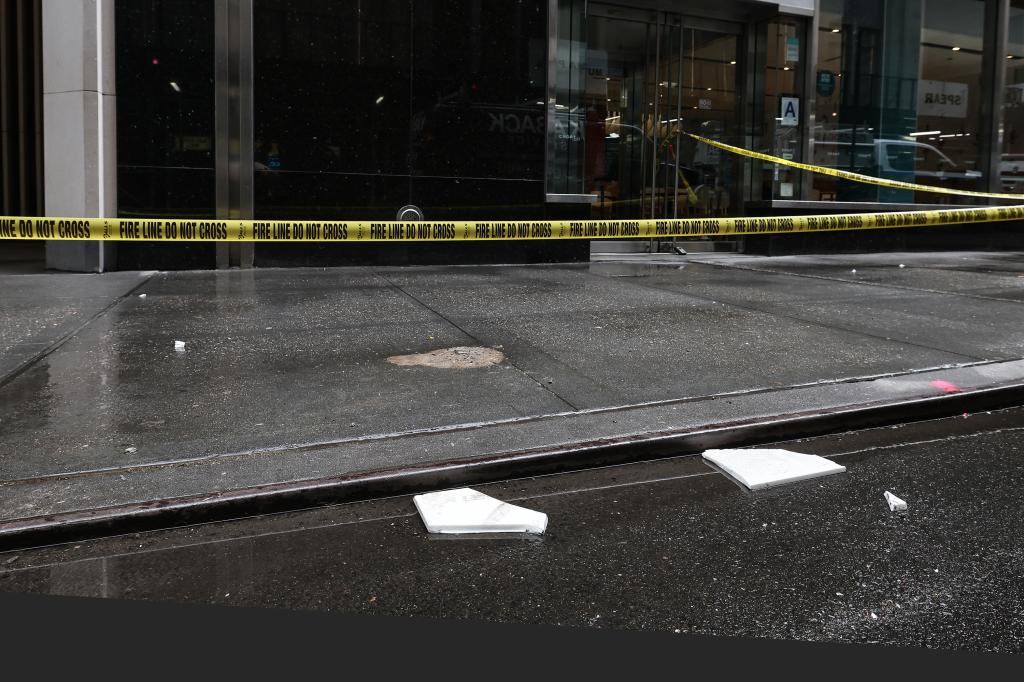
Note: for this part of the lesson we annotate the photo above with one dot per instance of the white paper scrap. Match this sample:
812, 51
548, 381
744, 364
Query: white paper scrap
895, 503
465, 510
179, 345
759, 468
142, 296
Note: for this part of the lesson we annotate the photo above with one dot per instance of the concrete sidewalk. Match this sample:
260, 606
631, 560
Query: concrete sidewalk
284, 381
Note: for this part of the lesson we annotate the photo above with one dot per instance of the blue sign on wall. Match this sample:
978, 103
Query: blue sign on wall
826, 83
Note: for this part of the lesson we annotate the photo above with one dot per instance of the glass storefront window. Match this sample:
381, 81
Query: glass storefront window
782, 134
165, 123
164, 76
566, 111
363, 107
898, 95
629, 83
1011, 163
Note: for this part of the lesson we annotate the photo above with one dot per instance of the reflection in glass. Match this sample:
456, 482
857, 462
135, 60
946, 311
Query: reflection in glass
642, 79
782, 128
1011, 164
165, 123
165, 117
357, 102
899, 109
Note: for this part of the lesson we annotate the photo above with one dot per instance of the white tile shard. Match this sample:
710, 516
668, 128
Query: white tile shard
758, 468
895, 503
465, 510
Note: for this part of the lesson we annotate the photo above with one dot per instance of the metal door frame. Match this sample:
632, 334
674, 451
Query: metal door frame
233, 123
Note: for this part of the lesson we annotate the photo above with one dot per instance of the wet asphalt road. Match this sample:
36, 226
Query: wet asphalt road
664, 546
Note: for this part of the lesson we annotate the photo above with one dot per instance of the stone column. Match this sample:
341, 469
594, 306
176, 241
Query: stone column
79, 124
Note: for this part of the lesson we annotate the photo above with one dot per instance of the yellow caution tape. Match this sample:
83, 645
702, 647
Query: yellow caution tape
189, 230
848, 175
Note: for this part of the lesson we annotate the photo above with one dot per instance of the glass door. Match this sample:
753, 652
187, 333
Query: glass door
709, 177
630, 87
648, 78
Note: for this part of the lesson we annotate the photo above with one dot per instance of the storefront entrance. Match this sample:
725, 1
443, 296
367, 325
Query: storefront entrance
650, 77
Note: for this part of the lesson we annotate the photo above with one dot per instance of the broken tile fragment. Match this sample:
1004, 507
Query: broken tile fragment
758, 468
464, 510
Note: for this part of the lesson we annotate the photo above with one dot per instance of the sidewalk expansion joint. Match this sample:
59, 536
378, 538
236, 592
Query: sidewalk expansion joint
51, 348
400, 289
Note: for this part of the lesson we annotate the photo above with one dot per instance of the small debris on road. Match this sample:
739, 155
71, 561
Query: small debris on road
179, 345
142, 296
895, 503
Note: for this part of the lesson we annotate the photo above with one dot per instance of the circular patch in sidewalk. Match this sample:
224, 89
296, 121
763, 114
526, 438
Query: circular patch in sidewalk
460, 357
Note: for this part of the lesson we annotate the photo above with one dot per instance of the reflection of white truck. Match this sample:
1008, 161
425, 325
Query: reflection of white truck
1011, 171
890, 156
905, 160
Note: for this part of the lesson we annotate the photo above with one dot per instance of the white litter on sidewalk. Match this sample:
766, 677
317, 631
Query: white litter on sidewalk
142, 295
465, 510
895, 503
179, 345
765, 467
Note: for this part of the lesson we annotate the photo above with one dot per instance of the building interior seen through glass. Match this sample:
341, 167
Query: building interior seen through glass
650, 78
782, 133
895, 106
1011, 166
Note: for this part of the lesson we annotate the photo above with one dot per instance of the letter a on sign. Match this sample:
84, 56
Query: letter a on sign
790, 111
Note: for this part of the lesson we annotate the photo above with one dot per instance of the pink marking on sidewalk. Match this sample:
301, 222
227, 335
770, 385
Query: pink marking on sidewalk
945, 386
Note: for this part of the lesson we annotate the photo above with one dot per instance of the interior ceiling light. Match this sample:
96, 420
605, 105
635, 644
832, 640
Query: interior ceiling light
733, 62
926, 132
835, 30
785, 68
956, 49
